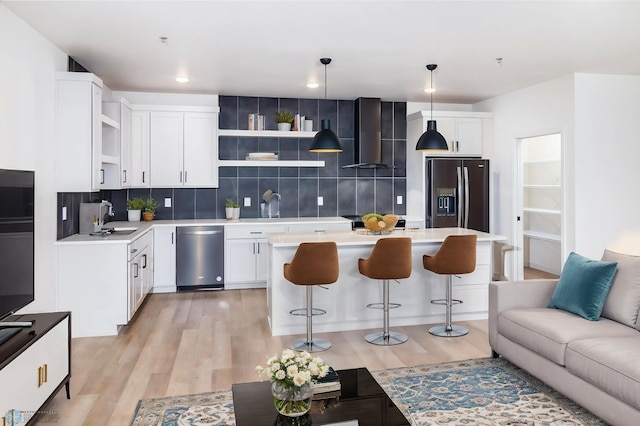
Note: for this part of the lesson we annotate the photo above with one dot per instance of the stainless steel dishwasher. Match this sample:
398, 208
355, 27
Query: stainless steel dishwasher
199, 257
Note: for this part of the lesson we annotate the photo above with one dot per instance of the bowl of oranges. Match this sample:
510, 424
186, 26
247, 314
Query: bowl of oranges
379, 224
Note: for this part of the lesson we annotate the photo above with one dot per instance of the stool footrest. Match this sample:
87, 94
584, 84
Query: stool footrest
381, 305
303, 312
444, 302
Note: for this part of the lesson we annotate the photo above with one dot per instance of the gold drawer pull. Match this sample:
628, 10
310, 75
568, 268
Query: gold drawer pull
45, 374
39, 376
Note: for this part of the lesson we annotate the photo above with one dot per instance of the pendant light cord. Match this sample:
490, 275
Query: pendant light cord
325, 82
431, 94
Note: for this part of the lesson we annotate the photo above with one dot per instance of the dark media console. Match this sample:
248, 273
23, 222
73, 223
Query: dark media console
35, 363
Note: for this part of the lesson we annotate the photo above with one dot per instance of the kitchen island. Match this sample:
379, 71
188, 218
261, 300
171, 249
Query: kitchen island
346, 300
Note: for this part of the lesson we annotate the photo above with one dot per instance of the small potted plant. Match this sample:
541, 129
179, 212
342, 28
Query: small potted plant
232, 209
134, 208
149, 209
284, 119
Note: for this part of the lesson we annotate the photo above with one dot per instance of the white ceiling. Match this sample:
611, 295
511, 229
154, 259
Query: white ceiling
379, 48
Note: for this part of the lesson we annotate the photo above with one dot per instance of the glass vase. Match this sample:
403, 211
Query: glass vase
292, 401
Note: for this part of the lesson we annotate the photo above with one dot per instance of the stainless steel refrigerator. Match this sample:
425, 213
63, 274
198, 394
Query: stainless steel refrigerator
457, 193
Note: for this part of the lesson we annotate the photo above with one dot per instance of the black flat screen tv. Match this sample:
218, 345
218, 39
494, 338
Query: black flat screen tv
16, 240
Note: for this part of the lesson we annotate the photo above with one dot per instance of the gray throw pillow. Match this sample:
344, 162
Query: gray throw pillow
623, 302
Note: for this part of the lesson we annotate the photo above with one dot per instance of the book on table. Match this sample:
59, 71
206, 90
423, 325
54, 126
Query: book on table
327, 384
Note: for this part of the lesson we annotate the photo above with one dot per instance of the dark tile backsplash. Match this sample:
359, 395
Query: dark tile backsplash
344, 191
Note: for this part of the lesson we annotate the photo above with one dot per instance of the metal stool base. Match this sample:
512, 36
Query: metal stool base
444, 331
392, 338
315, 345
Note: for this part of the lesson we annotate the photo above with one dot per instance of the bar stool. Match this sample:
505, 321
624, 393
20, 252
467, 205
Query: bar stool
457, 255
390, 259
312, 264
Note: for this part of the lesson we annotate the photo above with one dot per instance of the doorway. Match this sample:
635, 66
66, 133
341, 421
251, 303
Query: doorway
539, 210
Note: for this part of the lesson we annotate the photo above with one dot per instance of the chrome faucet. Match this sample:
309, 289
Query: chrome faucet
279, 197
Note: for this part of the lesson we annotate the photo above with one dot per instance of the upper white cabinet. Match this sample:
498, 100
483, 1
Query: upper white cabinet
79, 132
184, 147
463, 131
139, 169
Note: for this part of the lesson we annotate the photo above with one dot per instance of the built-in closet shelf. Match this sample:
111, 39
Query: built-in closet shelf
542, 236
543, 186
266, 133
110, 159
542, 211
106, 121
269, 163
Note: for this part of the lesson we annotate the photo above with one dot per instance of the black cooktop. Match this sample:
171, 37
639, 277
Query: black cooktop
356, 221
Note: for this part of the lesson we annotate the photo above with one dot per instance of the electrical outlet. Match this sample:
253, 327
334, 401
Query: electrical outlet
167, 202
320, 201
399, 199
247, 201
64, 213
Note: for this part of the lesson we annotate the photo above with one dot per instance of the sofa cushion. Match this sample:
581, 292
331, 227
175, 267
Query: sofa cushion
623, 301
583, 286
610, 363
548, 331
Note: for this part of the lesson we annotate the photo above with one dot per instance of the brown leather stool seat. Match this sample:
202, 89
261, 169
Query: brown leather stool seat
456, 256
312, 264
390, 259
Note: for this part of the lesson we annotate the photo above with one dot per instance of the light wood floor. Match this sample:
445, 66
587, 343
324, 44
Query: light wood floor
534, 274
205, 341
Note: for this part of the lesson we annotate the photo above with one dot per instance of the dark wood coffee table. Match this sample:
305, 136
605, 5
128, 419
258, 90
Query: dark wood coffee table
361, 399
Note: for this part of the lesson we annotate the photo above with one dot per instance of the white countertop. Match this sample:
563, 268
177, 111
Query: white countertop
361, 237
144, 225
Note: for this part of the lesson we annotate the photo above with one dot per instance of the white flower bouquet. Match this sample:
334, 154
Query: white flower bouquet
293, 368
292, 374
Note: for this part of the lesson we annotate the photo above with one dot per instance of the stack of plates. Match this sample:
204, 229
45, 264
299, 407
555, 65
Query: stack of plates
262, 156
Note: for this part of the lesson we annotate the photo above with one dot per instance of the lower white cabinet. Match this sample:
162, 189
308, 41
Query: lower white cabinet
39, 371
164, 253
245, 260
93, 282
140, 279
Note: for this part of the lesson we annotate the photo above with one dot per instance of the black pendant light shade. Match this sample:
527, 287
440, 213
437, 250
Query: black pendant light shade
431, 140
325, 140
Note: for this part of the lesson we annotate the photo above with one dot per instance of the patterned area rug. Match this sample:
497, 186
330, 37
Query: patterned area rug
474, 392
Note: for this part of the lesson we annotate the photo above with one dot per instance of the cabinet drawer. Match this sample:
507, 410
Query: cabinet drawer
36, 372
145, 240
318, 227
252, 231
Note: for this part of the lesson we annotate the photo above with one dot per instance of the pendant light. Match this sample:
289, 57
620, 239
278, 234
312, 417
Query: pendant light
431, 140
325, 140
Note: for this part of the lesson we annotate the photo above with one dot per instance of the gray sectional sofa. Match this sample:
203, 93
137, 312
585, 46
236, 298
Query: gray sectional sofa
595, 363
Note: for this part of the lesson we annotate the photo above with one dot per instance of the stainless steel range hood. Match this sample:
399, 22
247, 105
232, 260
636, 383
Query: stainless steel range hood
368, 140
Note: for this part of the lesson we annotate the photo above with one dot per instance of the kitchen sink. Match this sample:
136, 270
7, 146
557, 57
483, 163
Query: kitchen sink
124, 230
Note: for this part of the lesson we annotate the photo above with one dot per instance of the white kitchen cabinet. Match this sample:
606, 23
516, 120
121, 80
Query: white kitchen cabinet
463, 134
164, 254
116, 145
38, 372
463, 131
140, 271
139, 169
319, 227
78, 132
93, 283
246, 254
184, 148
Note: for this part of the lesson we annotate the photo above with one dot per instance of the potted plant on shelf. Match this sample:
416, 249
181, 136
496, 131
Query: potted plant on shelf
232, 209
134, 208
149, 209
284, 119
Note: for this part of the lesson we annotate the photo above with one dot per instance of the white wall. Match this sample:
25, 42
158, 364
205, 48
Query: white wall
533, 111
607, 129
27, 130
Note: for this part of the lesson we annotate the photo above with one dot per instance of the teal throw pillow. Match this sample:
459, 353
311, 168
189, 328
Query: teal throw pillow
583, 286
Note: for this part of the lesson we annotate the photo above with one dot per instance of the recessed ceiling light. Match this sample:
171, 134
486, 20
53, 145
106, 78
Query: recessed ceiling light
182, 79
312, 85
429, 90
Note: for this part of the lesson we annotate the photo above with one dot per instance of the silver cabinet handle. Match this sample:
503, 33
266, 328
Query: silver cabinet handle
144, 261
180, 177
135, 275
466, 197
101, 176
185, 176
143, 177
458, 196
172, 238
